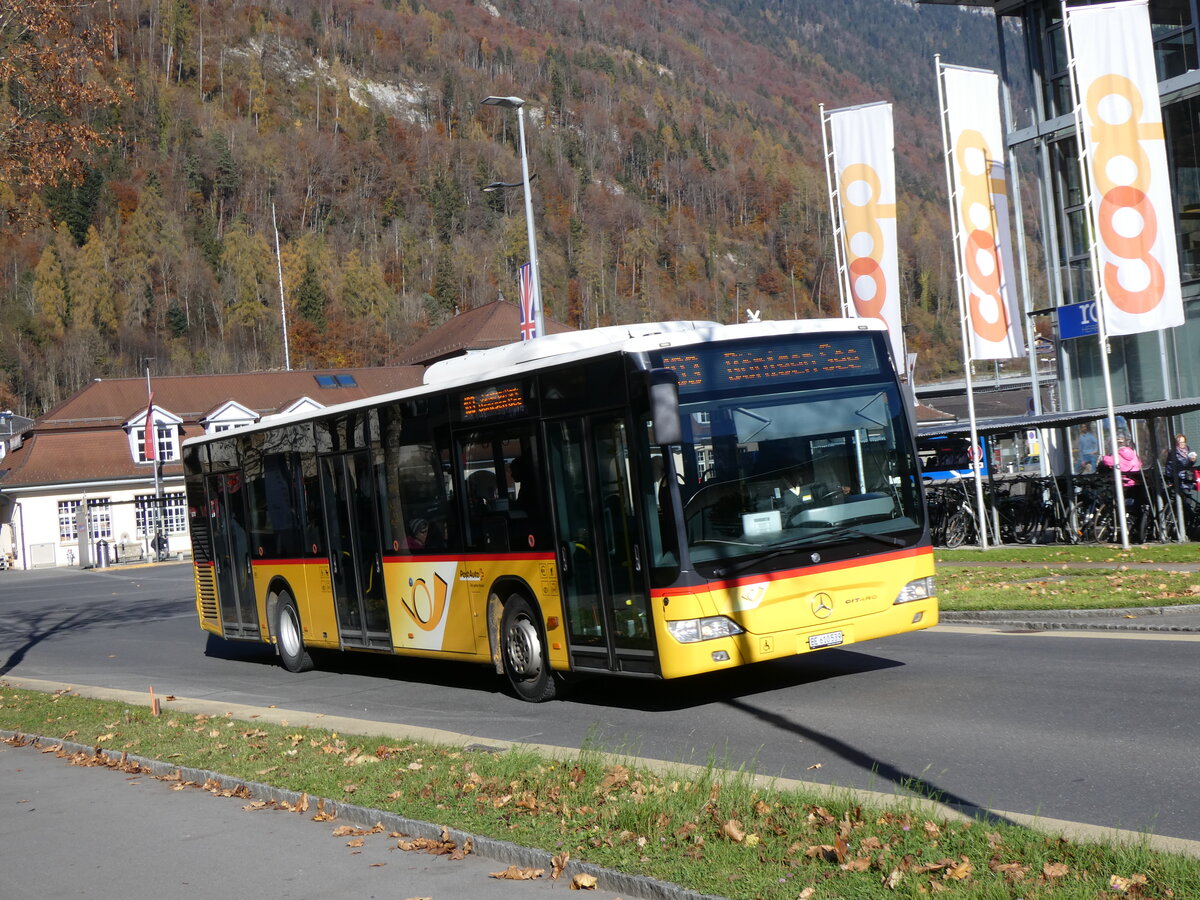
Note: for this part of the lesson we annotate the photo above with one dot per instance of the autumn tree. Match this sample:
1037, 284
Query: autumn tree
54, 89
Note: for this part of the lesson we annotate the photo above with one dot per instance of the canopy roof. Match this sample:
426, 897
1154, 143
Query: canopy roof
1065, 419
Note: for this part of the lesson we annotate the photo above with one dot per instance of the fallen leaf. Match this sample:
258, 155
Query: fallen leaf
583, 882
513, 873
357, 842
733, 830
932, 829
893, 879
957, 871
861, 864
1055, 870
815, 766
558, 864
1133, 884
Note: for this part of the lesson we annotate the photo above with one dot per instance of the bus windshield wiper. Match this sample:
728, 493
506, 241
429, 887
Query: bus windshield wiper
792, 546
837, 533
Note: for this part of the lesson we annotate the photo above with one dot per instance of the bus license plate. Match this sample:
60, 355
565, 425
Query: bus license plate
829, 639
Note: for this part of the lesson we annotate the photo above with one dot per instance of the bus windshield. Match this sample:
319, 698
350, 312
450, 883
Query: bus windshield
762, 472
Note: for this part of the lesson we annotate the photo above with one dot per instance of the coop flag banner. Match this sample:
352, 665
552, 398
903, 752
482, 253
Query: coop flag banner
979, 206
528, 323
1120, 122
864, 183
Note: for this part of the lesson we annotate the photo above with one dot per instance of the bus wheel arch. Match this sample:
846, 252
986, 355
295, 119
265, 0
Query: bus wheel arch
518, 642
286, 630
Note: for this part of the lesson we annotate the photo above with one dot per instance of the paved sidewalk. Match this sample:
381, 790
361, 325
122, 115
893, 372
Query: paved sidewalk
101, 832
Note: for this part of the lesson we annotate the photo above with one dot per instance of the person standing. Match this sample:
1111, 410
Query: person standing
1181, 465
1089, 450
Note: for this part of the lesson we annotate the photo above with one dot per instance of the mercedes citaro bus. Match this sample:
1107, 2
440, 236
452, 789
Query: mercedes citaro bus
652, 501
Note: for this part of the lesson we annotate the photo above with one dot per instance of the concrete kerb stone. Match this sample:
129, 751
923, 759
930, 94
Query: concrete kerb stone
513, 854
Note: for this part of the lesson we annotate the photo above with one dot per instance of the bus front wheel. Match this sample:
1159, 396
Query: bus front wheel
289, 639
524, 651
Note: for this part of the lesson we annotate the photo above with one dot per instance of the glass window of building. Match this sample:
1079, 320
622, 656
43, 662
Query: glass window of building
1172, 27
1182, 122
1075, 265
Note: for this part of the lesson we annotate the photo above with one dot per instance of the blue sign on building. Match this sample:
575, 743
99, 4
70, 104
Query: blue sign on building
1077, 320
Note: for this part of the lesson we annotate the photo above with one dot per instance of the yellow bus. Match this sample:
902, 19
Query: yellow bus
653, 501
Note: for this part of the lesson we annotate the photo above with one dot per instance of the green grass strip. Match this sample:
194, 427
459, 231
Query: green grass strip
962, 589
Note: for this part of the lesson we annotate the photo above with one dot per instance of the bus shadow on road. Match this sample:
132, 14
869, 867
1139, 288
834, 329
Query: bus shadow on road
600, 690
431, 672
722, 687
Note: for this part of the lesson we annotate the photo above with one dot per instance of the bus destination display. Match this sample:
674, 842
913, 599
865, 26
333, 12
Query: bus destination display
702, 368
493, 403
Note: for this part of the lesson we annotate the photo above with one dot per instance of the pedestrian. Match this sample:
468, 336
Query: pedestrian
1127, 461
1089, 449
1181, 465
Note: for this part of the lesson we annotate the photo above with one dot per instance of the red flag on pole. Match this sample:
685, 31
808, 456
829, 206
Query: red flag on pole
151, 443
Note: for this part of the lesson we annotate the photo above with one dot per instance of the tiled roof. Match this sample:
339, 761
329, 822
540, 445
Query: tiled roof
72, 456
490, 325
83, 438
115, 401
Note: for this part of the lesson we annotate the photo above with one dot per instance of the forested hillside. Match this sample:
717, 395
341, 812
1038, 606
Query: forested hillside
675, 143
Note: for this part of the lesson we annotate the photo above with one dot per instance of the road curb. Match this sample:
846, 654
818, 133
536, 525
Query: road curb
1183, 619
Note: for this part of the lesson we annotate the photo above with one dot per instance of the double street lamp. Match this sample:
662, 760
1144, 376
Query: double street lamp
535, 278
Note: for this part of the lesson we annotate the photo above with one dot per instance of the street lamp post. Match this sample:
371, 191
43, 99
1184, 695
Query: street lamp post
518, 104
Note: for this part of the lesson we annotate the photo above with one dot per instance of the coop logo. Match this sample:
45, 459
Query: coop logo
1123, 175
862, 212
981, 257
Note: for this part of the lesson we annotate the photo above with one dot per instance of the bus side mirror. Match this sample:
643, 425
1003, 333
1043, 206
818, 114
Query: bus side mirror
663, 388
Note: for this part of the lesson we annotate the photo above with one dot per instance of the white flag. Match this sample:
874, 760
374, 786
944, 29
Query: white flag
980, 206
865, 174
1130, 197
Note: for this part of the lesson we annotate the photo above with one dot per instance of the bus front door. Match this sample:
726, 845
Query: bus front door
599, 557
231, 555
351, 508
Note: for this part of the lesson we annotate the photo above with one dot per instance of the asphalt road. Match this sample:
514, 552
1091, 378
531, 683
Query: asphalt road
1093, 728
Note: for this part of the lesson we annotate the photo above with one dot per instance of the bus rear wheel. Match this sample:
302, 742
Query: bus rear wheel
289, 639
523, 650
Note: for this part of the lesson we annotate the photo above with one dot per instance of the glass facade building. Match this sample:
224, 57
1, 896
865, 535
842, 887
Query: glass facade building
1040, 126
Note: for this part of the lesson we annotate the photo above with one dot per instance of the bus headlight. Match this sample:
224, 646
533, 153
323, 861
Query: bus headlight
689, 631
921, 589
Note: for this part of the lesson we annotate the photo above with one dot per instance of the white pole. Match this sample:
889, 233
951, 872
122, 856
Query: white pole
959, 280
1102, 329
539, 319
152, 435
287, 357
835, 218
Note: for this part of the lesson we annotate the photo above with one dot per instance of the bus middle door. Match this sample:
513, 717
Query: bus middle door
351, 513
231, 554
599, 557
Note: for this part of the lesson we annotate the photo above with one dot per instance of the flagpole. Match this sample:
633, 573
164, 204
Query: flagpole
152, 454
976, 451
834, 216
1102, 326
287, 356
